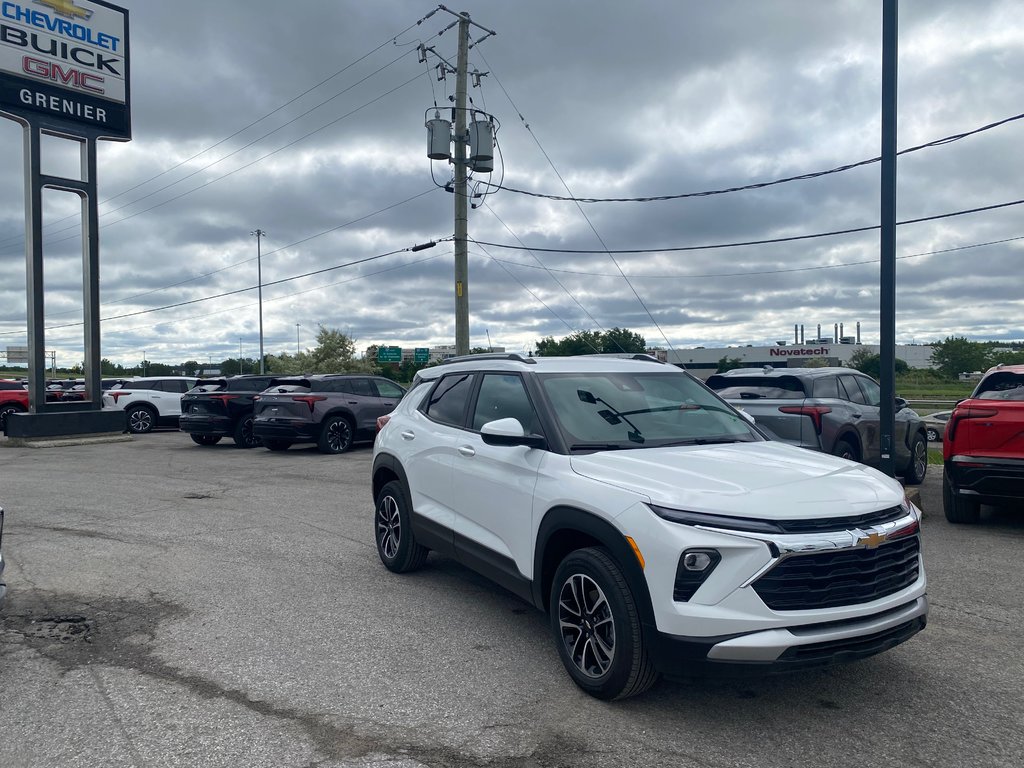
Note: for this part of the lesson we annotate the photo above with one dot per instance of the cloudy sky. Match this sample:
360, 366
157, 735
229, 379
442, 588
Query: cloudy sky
305, 119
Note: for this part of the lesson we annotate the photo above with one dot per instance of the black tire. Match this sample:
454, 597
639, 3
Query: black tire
918, 466
244, 437
204, 439
336, 435
844, 449
597, 627
140, 419
392, 530
5, 411
276, 445
933, 435
958, 509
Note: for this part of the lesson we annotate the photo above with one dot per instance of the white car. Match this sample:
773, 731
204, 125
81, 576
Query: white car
149, 402
652, 521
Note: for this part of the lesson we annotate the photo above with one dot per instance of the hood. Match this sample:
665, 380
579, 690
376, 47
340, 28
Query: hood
768, 480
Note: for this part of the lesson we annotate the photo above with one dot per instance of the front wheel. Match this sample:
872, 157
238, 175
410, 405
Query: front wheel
918, 466
597, 627
958, 509
933, 435
392, 528
140, 419
336, 435
204, 439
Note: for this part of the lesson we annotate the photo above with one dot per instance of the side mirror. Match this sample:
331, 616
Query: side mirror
509, 432
901, 403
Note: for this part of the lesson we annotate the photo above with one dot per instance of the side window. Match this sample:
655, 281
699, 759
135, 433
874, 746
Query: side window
872, 391
826, 386
387, 388
853, 392
447, 402
503, 396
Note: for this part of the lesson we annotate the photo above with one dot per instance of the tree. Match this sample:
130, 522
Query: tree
865, 362
728, 364
957, 355
593, 342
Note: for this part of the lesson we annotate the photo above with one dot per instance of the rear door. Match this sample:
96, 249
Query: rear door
865, 414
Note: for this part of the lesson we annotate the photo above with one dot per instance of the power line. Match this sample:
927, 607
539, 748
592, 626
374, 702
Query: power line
757, 185
691, 275
714, 246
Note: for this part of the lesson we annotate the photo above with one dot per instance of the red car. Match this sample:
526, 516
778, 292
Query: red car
983, 448
13, 399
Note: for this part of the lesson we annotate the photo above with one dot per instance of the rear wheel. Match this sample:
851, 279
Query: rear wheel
597, 627
396, 544
336, 435
243, 437
276, 445
957, 508
205, 439
933, 435
140, 419
7, 410
844, 449
918, 466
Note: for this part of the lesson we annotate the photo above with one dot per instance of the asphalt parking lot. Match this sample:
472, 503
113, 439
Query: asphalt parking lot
173, 605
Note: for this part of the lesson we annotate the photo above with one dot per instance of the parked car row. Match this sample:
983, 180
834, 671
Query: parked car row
331, 410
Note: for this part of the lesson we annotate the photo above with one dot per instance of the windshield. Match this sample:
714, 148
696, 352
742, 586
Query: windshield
605, 411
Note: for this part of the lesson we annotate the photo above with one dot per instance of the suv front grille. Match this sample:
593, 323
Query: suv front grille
840, 577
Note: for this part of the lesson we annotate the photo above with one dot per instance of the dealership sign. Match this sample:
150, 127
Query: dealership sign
64, 65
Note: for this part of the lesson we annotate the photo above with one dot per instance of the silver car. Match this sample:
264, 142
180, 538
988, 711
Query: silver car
935, 425
833, 410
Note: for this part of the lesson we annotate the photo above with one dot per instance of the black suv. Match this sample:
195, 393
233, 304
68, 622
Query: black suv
331, 410
833, 410
220, 408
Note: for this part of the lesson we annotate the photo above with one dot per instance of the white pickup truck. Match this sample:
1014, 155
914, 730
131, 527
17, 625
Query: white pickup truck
149, 402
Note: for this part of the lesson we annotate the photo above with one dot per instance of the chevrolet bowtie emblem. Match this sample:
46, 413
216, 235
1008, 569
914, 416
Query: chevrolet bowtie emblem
871, 540
67, 8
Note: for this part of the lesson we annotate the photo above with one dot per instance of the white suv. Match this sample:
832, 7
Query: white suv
660, 530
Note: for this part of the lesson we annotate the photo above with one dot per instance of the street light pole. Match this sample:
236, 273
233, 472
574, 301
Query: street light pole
297, 326
239, 355
259, 234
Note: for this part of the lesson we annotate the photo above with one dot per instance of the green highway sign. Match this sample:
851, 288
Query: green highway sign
389, 354
421, 355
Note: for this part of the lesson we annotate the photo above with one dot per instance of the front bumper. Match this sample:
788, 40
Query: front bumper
791, 648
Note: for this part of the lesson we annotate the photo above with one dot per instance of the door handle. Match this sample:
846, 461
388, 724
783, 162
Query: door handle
466, 450
408, 435
855, 415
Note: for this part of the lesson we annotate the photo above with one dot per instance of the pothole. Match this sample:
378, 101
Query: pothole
64, 629
197, 495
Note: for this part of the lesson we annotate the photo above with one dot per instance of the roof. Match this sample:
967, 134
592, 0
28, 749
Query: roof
804, 373
572, 364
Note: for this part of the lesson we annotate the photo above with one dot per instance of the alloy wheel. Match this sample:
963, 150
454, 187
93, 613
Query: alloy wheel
389, 527
586, 625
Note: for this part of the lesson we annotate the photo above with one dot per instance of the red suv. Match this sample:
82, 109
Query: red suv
13, 399
983, 448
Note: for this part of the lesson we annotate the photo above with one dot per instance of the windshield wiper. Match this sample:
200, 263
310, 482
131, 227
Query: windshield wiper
707, 441
600, 447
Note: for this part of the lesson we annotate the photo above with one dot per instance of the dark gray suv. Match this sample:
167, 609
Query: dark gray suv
331, 410
834, 410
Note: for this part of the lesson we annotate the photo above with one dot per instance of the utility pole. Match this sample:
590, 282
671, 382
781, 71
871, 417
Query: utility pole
240, 356
297, 351
259, 234
461, 195
887, 245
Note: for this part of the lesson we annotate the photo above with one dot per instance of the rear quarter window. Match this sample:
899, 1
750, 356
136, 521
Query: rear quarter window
448, 400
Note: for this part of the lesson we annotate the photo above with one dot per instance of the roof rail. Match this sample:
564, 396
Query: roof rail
628, 356
490, 356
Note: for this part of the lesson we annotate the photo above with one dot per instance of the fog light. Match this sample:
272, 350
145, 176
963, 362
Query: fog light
695, 566
696, 561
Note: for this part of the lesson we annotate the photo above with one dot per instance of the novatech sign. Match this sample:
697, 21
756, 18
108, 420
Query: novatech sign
65, 62
799, 352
